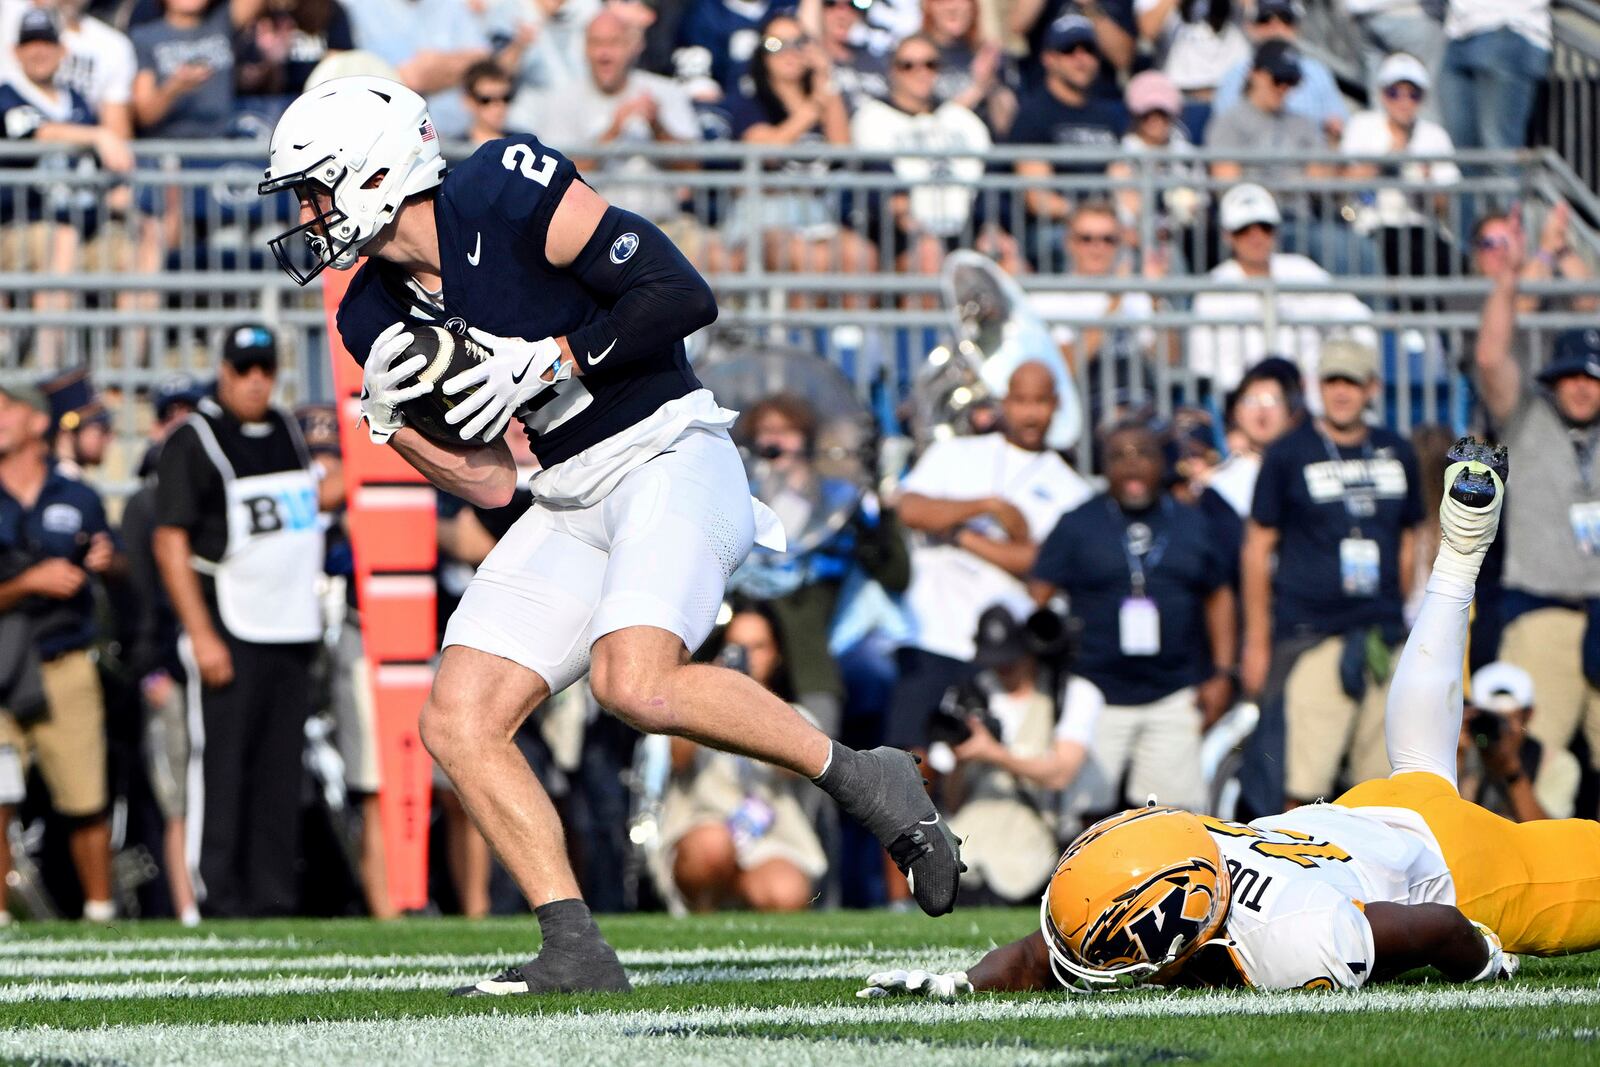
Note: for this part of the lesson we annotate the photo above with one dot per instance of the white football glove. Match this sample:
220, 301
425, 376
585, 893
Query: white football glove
517, 372
917, 984
381, 394
1502, 964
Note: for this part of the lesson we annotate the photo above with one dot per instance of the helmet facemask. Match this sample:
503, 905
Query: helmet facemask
332, 236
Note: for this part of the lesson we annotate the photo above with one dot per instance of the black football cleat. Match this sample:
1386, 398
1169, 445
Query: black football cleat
591, 969
917, 838
1479, 464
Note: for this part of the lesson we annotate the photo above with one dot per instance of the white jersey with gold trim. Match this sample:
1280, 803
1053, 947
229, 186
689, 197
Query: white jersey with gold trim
1301, 879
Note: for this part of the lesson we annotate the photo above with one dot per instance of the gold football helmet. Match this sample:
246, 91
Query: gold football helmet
1132, 898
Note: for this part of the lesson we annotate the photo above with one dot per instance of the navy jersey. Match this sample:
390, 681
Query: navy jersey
21, 116
1086, 557
60, 524
1316, 494
493, 213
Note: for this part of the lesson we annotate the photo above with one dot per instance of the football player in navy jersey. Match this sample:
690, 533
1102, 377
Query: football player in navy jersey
641, 509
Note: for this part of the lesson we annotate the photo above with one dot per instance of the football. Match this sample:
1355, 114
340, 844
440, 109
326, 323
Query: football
447, 355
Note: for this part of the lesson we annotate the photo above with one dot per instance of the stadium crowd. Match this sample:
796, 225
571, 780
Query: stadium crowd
1209, 615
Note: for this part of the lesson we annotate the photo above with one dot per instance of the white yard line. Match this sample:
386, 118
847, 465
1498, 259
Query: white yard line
449, 974
70, 946
701, 1036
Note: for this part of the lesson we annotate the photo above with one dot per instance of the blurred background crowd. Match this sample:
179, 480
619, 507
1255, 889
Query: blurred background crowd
1100, 357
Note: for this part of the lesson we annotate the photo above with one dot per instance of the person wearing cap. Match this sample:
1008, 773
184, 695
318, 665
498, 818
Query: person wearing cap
1338, 502
1116, 36
80, 425
240, 550
1551, 595
1389, 26
58, 525
1145, 581
1496, 55
1016, 757
1221, 353
1317, 96
1063, 112
1500, 762
35, 108
100, 62
1261, 118
1409, 224
1155, 107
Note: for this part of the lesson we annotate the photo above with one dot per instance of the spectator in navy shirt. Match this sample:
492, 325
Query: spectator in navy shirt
1116, 35
53, 537
1064, 111
1337, 500
1146, 583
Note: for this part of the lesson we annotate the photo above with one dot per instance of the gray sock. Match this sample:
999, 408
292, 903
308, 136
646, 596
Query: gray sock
855, 781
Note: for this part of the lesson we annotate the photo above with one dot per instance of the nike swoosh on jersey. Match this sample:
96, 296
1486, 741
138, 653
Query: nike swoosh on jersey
477, 251
593, 359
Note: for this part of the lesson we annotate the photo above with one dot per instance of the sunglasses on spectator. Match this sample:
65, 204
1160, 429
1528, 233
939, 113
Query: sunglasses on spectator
485, 100
914, 64
1491, 244
1075, 49
1265, 227
1285, 83
1107, 239
782, 44
1275, 16
1402, 91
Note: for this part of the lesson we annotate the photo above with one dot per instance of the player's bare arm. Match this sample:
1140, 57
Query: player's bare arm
1020, 967
1408, 936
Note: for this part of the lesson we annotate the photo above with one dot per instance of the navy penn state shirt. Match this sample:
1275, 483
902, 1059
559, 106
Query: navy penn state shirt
493, 213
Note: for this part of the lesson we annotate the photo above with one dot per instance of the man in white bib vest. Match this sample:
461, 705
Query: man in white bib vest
240, 551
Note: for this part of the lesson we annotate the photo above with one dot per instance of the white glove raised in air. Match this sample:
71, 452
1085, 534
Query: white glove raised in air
1501, 964
381, 394
517, 372
917, 984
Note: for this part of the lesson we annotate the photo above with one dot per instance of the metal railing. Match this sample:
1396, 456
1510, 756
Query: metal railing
134, 312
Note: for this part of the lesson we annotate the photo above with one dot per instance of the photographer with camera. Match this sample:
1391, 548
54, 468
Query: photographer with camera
53, 529
1148, 586
733, 829
1502, 766
1009, 757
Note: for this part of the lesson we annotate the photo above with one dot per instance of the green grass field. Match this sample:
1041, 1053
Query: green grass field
740, 990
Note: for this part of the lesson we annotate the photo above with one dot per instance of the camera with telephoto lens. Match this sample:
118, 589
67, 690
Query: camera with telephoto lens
1485, 727
734, 657
961, 702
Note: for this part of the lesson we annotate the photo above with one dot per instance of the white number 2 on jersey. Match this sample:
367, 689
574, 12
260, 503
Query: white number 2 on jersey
520, 157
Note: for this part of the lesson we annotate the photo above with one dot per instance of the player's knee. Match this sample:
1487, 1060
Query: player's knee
449, 729
638, 698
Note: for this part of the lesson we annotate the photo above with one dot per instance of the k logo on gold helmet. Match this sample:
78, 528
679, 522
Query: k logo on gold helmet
1132, 899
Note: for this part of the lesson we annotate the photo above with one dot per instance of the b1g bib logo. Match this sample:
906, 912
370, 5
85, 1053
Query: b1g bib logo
283, 510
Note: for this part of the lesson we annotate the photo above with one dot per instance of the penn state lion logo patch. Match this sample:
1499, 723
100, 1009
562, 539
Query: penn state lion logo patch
623, 248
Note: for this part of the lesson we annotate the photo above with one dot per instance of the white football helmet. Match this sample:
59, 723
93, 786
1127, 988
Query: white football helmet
352, 150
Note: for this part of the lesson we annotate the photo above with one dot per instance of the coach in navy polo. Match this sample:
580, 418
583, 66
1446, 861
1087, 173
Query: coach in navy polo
1338, 502
1159, 630
54, 528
